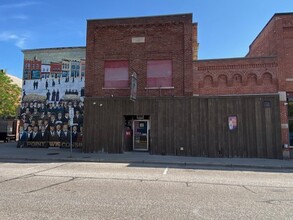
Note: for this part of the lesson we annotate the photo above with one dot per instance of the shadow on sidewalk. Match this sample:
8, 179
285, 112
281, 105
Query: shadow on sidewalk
9, 153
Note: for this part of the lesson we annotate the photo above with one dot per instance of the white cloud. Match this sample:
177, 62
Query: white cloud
18, 5
14, 17
19, 40
20, 17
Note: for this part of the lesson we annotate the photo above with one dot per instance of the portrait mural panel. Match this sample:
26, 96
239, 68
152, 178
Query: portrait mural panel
52, 83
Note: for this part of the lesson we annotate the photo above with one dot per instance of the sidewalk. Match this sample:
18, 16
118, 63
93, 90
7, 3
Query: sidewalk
9, 152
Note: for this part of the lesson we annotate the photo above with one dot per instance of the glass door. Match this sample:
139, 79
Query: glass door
141, 135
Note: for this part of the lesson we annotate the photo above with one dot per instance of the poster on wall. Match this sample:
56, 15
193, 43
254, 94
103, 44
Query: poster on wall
49, 90
232, 122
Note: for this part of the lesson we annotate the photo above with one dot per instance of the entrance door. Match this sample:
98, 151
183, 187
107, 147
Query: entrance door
141, 135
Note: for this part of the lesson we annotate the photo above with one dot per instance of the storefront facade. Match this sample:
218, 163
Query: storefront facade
184, 106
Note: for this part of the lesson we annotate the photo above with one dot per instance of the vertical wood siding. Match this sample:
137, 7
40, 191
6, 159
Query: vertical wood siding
197, 124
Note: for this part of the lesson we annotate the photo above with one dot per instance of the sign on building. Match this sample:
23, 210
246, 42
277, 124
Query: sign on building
133, 91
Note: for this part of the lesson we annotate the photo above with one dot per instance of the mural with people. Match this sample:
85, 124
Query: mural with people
49, 90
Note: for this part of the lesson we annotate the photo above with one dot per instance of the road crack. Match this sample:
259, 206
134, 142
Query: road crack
245, 187
52, 185
31, 174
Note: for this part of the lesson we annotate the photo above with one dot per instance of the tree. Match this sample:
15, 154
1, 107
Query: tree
10, 95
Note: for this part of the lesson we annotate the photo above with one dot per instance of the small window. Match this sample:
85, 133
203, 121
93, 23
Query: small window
159, 73
116, 74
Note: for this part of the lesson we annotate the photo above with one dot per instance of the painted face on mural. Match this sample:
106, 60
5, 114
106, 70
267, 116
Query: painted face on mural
58, 127
65, 128
52, 128
36, 128
59, 115
53, 117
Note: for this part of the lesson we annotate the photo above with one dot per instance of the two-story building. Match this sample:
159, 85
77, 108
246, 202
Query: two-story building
181, 106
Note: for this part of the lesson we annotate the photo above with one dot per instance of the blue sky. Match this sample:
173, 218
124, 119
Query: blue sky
225, 27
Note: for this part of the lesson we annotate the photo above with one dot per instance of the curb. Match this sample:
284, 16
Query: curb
102, 160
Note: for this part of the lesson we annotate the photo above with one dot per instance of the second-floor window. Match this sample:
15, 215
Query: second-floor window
116, 74
159, 73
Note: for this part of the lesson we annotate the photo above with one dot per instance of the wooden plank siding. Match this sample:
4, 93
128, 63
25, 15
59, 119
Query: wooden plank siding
198, 125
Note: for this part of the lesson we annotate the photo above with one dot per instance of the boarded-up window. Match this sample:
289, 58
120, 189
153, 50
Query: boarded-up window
159, 73
116, 74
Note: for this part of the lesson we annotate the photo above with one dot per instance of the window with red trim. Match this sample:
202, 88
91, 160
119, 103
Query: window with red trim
159, 73
116, 74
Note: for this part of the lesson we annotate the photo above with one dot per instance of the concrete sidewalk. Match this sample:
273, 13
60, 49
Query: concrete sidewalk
9, 152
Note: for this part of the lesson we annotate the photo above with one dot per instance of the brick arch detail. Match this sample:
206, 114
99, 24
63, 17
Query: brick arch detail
208, 81
236, 79
267, 78
251, 79
222, 80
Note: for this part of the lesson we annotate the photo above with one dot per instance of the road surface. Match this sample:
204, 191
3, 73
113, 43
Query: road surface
137, 191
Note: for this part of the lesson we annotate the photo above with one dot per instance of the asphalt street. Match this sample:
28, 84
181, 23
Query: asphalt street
80, 190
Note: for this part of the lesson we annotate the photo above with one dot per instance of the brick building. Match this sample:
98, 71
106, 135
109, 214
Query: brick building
267, 69
137, 44
184, 106
276, 40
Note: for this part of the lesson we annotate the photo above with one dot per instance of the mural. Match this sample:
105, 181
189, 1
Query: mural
49, 90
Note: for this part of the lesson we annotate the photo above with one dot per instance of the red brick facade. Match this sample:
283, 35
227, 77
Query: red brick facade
267, 68
138, 40
276, 39
235, 76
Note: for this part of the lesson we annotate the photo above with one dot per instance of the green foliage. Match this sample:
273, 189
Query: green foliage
10, 94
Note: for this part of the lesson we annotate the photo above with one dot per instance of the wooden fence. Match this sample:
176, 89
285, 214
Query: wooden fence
191, 126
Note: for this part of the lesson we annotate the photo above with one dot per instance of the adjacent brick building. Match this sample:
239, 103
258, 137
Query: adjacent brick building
276, 40
267, 68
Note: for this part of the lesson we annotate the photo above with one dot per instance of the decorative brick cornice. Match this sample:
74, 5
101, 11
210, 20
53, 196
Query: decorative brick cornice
134, 25
237, 66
